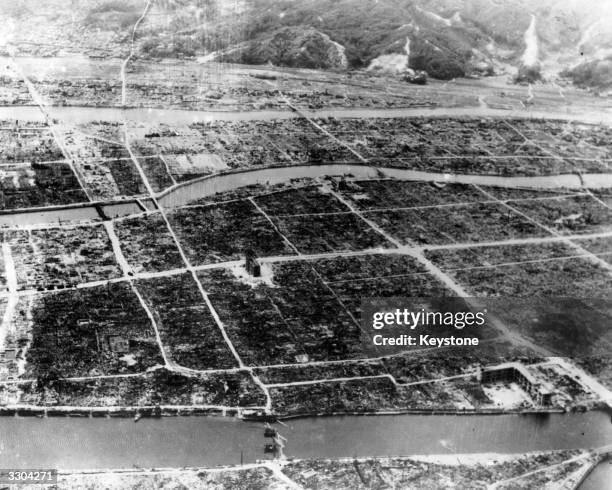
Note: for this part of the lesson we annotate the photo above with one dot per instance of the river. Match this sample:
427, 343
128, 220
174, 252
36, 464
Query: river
84, 115
77, 443
78, 67
207, 186
188, 192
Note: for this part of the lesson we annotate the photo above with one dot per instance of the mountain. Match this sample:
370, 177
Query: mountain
549, 39
446, 38
302, 47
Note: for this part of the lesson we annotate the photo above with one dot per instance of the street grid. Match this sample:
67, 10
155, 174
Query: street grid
416, 252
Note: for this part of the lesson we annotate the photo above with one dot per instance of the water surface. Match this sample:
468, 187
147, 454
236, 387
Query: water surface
76, 443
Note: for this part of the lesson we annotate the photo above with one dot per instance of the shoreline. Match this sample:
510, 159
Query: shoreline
467, 459
255, 415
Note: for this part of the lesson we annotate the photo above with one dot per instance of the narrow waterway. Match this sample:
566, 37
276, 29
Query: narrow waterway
208, 186
76, 443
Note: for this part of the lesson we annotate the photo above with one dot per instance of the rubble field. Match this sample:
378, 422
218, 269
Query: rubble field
223, 232
186, 326
147, 243
58, 258
89, 332
158, 388
298, 310
297, 317
530, 470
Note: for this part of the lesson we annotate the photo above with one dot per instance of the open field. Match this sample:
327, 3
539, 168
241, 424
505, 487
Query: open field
547, 293
525, 271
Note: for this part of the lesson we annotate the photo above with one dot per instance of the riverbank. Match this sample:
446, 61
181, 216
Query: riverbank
433, 412
246, 414
597, 476
419, 471
124, 412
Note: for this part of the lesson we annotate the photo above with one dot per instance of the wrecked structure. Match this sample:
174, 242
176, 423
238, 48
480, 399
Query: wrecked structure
515, 372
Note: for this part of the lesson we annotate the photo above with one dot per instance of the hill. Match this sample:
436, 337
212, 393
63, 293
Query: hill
445, 38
